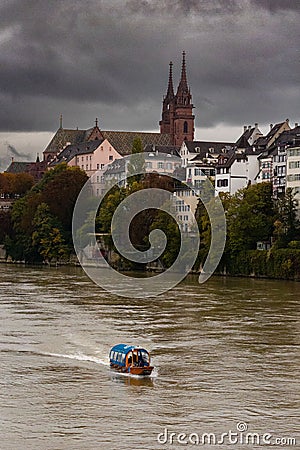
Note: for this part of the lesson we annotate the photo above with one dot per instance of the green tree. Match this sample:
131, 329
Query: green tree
250, 217
5, 225
47, 236
60, 193
287, 225
137, 162
163, 221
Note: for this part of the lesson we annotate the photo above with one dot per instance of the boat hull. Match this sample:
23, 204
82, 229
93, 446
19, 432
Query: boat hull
142, 371
133, 370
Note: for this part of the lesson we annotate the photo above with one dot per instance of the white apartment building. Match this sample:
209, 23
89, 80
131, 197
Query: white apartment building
293, 172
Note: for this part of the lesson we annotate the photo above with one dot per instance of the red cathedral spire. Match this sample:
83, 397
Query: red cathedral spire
170, 91
177, 113
183, 86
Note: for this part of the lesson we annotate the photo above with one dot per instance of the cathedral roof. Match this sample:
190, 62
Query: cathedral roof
122, 141
62, 137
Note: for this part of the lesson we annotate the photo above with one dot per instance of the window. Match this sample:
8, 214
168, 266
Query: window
198, 172
111, 158
87, 158
222, 183
294, 164
97, 166
294, 152
185, 127
160, 165
87, 167
97, 179
295, 177
281, 170
102, 165
169, 166
149, 165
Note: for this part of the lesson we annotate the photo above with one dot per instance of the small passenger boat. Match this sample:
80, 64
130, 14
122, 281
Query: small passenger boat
130, 359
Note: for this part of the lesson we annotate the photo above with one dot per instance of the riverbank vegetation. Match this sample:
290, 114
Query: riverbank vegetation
263, 233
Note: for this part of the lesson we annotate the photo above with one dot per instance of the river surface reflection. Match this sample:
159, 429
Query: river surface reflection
225, 352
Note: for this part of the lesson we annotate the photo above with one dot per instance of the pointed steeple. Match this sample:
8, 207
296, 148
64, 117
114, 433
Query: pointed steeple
61, 121
170, 91
183, 86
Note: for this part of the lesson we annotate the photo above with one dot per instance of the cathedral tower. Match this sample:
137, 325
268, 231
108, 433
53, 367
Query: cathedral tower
177, 113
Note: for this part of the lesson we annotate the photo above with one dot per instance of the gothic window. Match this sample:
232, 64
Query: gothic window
185, 127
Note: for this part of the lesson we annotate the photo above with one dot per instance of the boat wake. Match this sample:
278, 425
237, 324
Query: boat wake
78, 356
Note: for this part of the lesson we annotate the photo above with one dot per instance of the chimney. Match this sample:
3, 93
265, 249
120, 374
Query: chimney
287, 120
256, 125
245, 128
249, 127
12, 159
296, 124
271, 126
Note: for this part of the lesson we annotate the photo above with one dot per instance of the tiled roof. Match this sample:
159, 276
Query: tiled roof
117, 166
207, 146
70, 151
62, 137
169, 149
231, 158
19, 167
252, 151
122, 141
243, 141
264, 140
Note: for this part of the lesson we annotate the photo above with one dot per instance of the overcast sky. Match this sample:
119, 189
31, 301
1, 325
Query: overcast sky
109, 59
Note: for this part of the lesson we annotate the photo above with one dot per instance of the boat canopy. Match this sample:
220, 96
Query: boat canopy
123, 348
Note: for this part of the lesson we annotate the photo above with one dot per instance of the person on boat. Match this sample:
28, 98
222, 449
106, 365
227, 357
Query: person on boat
135, 359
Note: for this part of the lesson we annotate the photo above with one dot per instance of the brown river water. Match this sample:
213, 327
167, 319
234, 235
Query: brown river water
226, 357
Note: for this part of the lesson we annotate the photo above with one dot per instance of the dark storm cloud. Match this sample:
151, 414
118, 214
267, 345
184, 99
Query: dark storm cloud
8, 152
110, 59
14, 152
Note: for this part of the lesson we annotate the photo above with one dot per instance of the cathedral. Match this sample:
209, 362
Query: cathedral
177, 112
176, 125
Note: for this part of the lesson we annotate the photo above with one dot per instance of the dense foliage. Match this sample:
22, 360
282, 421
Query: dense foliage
253, 216
15, 184
38, 228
